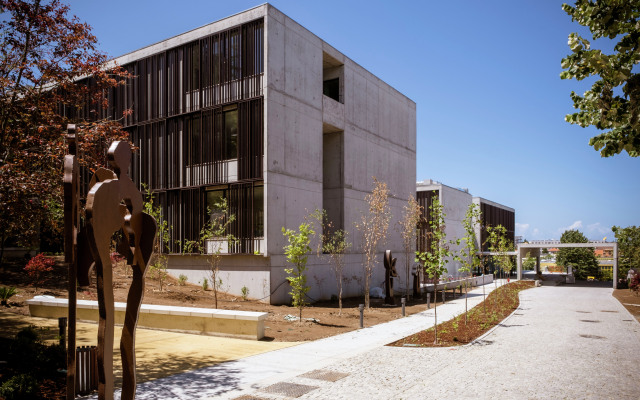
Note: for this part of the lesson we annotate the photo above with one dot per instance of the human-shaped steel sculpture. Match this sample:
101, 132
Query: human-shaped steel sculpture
71, 227
113, 204
416, 281
390, 273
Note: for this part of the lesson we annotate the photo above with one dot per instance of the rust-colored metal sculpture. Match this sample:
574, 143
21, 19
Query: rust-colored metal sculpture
113, 204
71, 227
416, 281
390, 273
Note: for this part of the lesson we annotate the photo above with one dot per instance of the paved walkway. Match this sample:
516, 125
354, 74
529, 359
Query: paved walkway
232, 379
564, 342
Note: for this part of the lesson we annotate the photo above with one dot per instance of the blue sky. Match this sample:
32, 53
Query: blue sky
484, 76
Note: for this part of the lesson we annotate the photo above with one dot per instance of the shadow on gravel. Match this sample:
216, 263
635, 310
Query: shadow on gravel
482, 343
593, 337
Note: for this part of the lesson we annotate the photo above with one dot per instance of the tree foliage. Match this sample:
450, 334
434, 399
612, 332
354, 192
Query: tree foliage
333, 245
628, 249
500, 244
583, 259
467, 256
213, 235
435, 259
158, 261
529, 263
43, 54
297, 252
613, 102
373, 225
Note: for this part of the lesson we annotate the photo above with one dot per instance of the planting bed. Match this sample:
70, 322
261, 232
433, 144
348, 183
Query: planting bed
480, 319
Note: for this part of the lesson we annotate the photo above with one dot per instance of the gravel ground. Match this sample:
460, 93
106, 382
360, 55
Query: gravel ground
563, 342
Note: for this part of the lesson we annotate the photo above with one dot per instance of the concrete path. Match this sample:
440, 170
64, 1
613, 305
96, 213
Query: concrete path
564, 342
232, 379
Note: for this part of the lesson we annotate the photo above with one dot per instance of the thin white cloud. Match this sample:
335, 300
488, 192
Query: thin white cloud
521, 229
598, 230
575, 225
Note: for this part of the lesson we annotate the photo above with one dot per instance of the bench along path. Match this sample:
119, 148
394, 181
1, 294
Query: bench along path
206, 321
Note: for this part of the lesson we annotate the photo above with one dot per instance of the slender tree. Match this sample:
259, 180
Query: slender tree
468, 254
373, 226
437, 255
297, 252
407, 227
158, 261
213, 235
333, 245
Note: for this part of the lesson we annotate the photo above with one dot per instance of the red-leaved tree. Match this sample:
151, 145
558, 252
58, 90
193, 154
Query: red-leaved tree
39, 268
45, 59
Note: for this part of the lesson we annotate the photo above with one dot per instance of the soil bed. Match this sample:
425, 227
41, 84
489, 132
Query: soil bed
629, 300
325, 314
497, 306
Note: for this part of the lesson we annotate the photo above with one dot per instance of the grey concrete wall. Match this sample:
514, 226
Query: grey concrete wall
379, 139
455, 204
235, 271
377, 125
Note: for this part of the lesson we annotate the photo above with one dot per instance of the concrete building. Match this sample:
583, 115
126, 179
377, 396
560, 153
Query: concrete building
455, 202
256, 109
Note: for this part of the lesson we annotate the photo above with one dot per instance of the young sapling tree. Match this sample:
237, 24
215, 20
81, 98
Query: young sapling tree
158, 262
333, 245
373, 226
407, 227
435, 258
468, 254
297, 252
213, 235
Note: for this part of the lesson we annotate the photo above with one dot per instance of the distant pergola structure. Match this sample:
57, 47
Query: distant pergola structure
534, 249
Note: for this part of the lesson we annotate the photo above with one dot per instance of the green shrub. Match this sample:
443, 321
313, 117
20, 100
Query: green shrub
182, 280
23, 386
245, 292
205, 284
6, 293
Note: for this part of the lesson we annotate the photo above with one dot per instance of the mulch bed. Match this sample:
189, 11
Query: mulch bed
480, 319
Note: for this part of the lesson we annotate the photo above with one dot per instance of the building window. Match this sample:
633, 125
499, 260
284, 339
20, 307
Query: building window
331, 88
332, 77
231, 134
258, 211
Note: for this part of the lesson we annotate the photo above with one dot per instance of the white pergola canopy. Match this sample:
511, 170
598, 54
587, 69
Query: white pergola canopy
524, 248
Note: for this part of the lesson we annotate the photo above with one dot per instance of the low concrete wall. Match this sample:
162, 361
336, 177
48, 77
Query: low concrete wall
473, 281
207, 321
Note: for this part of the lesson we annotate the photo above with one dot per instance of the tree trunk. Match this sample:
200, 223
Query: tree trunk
366, 289
466, 295
435, 315
340, 299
